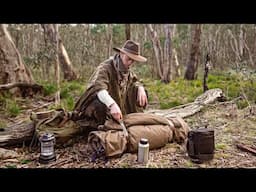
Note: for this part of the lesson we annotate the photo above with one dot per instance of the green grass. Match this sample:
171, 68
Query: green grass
49, 89
25, 161
181, 91
11, 166
221, 146
68, 103
12, 108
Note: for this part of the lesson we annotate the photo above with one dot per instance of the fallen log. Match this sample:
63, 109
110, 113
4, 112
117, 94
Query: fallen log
191, 108
17, 133
19, 84
21, 132
26, 88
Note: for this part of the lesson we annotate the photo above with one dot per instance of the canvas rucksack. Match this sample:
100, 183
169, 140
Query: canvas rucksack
57, 122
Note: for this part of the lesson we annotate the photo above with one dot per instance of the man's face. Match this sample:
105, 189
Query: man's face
127, 61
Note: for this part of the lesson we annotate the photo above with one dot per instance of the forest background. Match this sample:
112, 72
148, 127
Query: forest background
184, 60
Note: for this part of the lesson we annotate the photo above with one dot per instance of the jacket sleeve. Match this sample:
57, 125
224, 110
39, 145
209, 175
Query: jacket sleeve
100, 79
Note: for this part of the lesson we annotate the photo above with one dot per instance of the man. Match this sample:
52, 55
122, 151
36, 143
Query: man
113, 90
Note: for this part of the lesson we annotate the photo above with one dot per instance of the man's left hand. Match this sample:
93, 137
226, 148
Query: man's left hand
142, 97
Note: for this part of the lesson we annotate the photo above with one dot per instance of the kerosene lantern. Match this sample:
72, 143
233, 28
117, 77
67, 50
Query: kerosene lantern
47, 154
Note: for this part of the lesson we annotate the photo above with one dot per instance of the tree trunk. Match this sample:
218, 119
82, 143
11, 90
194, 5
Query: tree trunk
190, 73
109, 39
241, 41
57, 62
175, 64
206, 70
157, 50
128, 31
235, 47
167, 54
12, 67
68, 71
67, 68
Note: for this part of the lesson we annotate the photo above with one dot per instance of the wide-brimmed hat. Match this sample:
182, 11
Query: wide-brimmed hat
132, 50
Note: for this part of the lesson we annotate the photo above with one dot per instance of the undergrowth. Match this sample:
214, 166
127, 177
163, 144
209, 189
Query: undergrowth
175, 93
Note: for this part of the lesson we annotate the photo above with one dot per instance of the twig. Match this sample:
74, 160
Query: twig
226, 102
62, 162
246, 148
246, 99
42, 106
120, 161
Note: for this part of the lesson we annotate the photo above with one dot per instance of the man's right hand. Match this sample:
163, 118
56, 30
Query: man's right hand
116, 112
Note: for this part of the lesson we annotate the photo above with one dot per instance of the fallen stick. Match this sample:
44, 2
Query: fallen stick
246, 148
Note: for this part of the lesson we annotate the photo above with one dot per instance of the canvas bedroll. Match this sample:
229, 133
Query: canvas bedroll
110, 141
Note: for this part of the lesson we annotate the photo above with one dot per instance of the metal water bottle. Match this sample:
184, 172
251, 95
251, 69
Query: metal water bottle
143, 151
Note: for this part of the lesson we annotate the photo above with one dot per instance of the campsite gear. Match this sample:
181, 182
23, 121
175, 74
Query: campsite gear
57, 122
111, 143
157, 129
200, 145
47, 142
143, 151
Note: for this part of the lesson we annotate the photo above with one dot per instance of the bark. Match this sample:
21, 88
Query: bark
66, 65
109, 39
176, 64
57, 63
167, 54
157, 50
17, 133
191, 108
206, 70
190, 73
21, 132
249, 53
128, 31
26, 89
241, 41
12, 67
235, 47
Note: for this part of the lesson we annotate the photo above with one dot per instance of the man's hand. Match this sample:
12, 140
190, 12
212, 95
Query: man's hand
116, 112
142, 97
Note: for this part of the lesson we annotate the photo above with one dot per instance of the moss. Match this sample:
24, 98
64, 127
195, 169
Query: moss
221, 146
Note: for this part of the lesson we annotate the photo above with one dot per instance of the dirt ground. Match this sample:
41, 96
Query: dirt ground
230, 125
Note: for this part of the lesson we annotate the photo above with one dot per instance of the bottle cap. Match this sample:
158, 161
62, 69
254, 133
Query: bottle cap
143, 141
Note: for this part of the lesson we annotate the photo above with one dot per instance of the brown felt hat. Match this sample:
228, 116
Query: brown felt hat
132, 50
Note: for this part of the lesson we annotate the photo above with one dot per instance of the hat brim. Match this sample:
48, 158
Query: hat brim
138, 58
